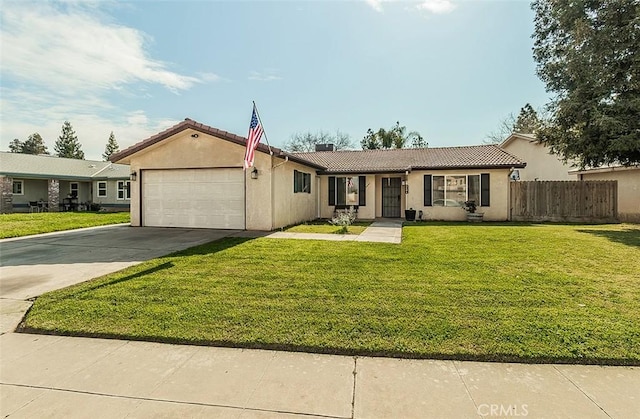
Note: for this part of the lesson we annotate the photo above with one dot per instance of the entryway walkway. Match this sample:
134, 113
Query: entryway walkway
382, 231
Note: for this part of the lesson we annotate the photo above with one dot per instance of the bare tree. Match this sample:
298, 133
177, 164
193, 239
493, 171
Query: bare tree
307, 141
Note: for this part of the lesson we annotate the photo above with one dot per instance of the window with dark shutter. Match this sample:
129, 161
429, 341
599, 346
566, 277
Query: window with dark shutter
427, 191
484, 190
362, 189
332, 190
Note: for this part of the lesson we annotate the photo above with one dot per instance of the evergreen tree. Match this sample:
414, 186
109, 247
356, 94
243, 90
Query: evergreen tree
111, 147
528, 121
587, 54
67, 144
34, 145
16, 146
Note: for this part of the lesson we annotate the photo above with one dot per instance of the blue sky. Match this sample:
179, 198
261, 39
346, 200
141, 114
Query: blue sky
451, 70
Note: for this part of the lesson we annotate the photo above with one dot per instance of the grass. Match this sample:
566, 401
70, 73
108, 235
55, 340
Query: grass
501, 292
18, 225
323, 226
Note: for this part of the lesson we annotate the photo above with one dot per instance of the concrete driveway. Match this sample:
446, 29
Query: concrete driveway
31, 266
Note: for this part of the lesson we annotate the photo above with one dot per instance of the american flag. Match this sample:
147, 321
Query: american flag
253, 139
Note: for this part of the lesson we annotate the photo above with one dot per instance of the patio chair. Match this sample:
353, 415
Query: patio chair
33, 206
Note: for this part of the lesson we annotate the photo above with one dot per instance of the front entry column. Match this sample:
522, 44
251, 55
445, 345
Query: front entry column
54, 195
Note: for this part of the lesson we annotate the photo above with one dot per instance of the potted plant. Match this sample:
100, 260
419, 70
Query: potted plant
410, 214
472, 215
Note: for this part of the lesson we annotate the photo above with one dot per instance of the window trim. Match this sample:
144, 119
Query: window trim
339, 187
484, 183
98, 194
77, 189
124, 186
19, 182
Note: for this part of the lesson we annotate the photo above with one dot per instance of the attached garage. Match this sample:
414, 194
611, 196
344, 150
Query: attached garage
191, 176
194, 198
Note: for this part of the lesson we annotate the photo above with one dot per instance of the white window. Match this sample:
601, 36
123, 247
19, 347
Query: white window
124, 190
18, 187
102, 189
74, 187
453, 191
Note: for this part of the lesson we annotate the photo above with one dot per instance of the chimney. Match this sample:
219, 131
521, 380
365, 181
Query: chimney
325, 147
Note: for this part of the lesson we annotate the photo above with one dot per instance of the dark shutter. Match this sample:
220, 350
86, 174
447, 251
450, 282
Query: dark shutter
484, 190
362, 191
332, 190
427, 191
295, 181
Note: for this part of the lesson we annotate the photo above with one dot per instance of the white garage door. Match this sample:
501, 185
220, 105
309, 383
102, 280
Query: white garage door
198, 198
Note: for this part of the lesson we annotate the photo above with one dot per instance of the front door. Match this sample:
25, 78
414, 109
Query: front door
391, 189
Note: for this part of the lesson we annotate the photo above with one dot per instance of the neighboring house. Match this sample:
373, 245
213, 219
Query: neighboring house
628, 188
191, 175
541, 164
27, 178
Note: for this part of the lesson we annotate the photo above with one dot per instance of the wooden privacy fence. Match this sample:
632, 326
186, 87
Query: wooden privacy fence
573, 201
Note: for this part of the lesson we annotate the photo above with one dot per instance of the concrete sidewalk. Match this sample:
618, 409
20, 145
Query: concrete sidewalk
387, 231
66, 377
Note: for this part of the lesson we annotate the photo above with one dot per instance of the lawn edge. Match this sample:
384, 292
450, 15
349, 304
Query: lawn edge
70, 230
498, 358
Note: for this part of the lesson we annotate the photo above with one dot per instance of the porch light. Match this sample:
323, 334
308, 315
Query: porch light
254, 173
133, 176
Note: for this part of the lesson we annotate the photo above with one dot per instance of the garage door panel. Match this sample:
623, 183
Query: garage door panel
197, 198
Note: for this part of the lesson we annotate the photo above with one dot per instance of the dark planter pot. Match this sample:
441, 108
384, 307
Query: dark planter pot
410, 215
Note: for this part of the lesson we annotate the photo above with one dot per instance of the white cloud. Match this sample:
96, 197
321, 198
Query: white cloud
267, 75
431, 6
375, 4
72, 49
437, 6
65, 61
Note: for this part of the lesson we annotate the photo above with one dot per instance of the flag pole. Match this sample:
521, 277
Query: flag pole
264, 132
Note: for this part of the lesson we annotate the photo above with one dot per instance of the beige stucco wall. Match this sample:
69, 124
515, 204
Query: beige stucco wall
289, 207
366, 212
499, 196
540, 164
270, 200
628, 191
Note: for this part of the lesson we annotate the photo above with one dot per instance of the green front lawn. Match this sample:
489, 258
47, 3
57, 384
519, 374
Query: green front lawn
17, 225
533, 293
323, 226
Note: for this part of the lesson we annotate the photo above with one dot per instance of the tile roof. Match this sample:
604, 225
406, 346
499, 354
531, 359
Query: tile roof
42, 166
205, 129
400, 160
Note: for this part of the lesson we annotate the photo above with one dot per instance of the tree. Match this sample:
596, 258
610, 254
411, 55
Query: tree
527, 122
304, 142
16, 146
33, 145
395, 137
67, 144
111, 147
587, 55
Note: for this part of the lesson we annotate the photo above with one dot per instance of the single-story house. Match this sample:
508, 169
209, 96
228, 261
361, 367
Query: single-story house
628, 179
541, 164
191, 175
58, 184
